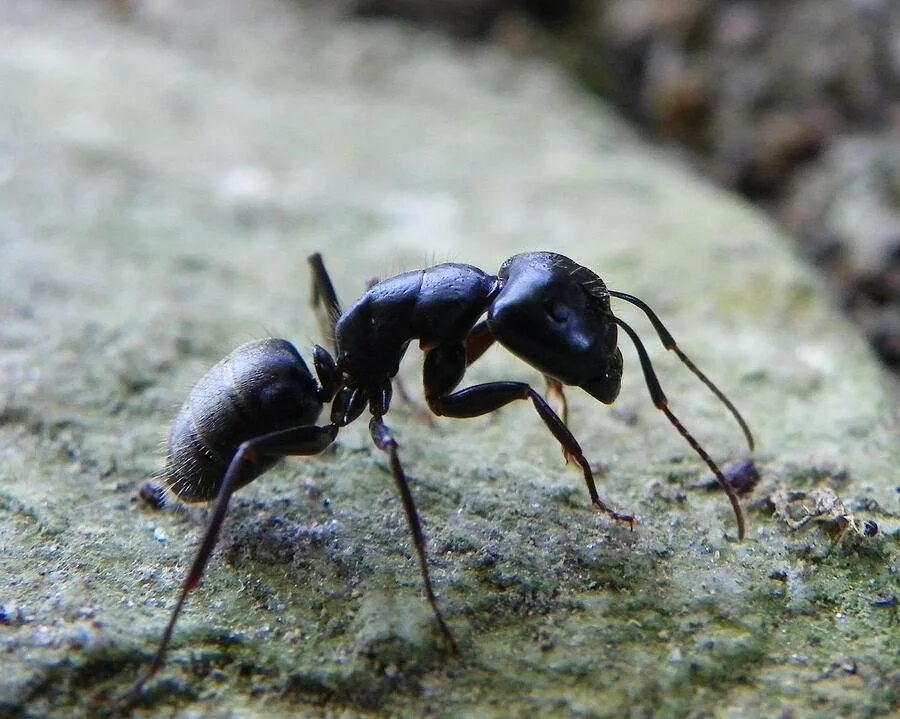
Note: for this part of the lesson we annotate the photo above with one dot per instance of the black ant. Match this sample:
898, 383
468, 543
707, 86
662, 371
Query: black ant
262, 403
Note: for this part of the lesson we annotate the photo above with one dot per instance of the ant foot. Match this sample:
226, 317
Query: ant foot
624, 518
617, 516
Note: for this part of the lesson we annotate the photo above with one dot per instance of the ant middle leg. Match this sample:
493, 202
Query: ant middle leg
443, 370
384, 440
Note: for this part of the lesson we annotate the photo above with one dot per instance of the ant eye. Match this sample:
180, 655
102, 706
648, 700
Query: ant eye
556, 311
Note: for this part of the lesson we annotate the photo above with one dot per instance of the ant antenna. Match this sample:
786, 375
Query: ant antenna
662, 403
669, 343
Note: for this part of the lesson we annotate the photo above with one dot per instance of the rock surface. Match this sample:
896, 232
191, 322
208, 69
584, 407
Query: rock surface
164, 175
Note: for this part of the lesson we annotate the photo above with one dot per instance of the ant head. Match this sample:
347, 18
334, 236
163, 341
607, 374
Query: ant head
555, 315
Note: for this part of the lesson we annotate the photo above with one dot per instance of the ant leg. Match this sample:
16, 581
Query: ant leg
478, 342
443, 370
385, 441
293, 441
327, 372
555, 390
324, 299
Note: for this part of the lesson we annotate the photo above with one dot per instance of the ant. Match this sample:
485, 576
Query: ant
261, 402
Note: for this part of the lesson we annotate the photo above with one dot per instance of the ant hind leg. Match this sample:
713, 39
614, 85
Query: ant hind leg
304, 440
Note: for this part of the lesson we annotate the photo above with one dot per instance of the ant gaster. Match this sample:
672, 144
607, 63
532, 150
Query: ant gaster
262, 403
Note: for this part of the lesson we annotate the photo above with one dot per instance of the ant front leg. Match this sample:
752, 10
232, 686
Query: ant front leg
443, 371
384, 440
480, 340
304, 440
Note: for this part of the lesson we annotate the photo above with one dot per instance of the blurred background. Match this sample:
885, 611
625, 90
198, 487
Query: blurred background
793, 105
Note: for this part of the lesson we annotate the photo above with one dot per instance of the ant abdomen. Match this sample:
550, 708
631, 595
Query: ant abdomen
261, 387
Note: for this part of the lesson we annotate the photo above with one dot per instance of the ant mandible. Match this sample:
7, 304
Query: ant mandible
262, 403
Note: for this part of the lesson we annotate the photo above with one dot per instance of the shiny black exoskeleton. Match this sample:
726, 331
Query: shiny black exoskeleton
262, 402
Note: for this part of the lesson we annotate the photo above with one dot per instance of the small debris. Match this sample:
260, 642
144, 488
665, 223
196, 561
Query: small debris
545, 642
743, 476
153, 494
797, 509
866, 504
13, 616
885, 600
